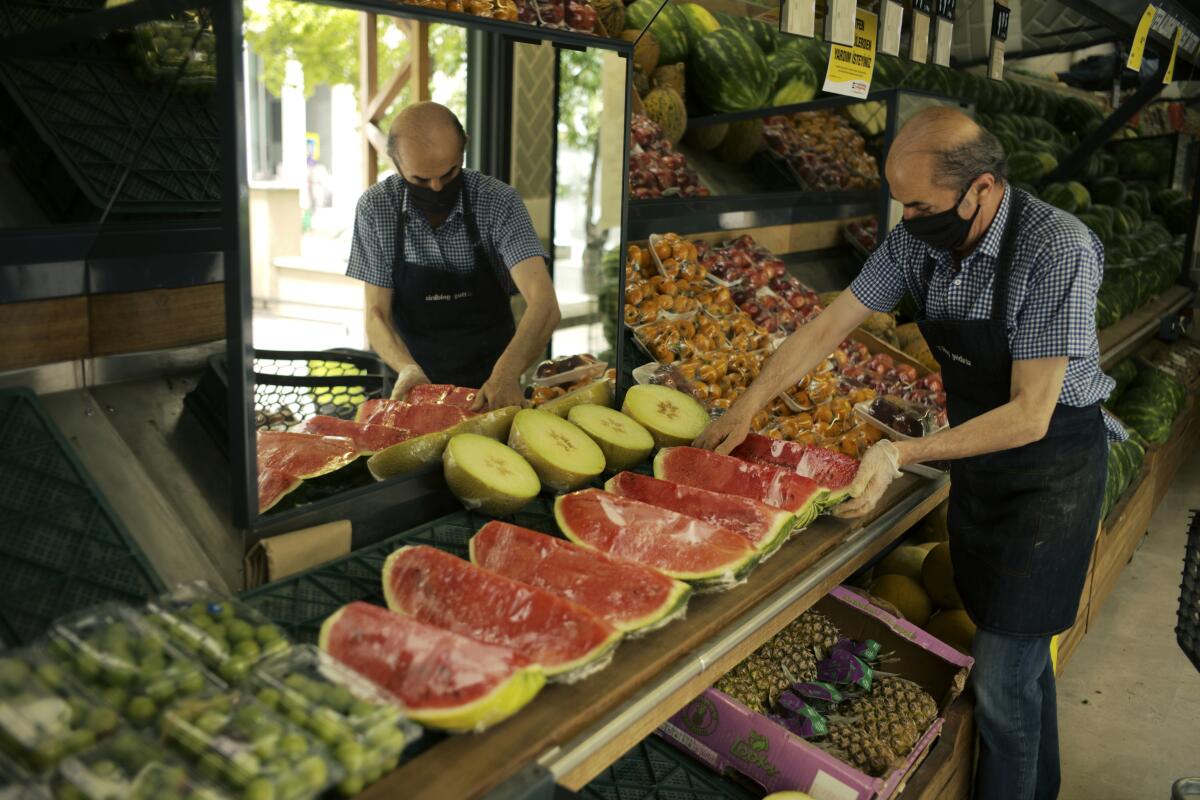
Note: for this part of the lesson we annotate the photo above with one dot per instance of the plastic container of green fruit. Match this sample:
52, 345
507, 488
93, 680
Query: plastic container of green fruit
127, 663
226, 634
128, 766
232, 738
45, 714
364, 728
17, 784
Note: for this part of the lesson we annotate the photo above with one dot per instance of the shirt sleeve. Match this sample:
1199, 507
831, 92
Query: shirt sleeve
513, 236
881, 285
367, 262
1058, 315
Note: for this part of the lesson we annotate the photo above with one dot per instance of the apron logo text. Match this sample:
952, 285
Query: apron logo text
955, 356
434, 298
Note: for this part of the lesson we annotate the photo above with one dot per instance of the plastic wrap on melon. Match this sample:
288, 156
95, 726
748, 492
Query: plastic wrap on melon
443, 679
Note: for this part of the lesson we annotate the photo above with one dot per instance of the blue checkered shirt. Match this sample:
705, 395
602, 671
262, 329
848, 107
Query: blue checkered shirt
503, 221
1056, 271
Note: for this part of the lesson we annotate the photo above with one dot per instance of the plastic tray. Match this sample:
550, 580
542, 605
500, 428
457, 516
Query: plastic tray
362, 725
226, 634
653, 770
587, 371
862, 411
45, 715
129, 767
126, 663
63, 548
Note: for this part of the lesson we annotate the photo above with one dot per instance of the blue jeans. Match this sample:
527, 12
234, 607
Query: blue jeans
1017, 716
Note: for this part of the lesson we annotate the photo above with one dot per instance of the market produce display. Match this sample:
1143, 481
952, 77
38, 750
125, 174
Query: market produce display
632, 598
764, 527
566, 640
589, 391
655, 169
682, 547
706, 469
1180, 360
368, 438
443, 680
575, 15
426, 450
488, 476
128, 766
416, 419
181, 52
823, 150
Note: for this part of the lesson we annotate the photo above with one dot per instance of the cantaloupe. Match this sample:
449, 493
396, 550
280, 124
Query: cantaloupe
623, 441
933, 528
906, 595
954, 627
672, 417
937, 575
905, 560
598, 393
488, 476
562, 455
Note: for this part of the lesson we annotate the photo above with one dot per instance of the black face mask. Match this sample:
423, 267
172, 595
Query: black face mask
436, 202
945, 230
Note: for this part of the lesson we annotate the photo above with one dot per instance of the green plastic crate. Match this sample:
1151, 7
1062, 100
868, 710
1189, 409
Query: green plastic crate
62, 547
653, 770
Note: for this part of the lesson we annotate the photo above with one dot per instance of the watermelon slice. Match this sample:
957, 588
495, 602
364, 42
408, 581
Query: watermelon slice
767, 528
441, 394
688, 549
368, 438
775, 487
285, 459
417, 419
833, 471
566, 640
632, 598
444, 680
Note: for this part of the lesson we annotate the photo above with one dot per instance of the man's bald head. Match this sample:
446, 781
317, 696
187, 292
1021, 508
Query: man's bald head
426, 141
945, 147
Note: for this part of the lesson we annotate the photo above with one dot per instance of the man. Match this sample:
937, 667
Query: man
440, 250
1007, 286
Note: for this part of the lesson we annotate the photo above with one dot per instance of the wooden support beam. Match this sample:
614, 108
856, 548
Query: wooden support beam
375, 138
380, 102
368, 82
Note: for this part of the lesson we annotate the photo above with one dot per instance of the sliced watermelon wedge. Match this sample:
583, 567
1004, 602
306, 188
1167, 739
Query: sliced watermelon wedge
416, 419
766, 528
833, 471
444, 680
441, 394
285, 459
566, 640
775, 487
688, 549
367, 437
633, 599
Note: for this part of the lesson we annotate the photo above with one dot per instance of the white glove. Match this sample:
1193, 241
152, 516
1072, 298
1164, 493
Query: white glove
880, 466
410, 375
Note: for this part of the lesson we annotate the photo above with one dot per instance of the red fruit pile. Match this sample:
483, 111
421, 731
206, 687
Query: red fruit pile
762, 286
823, 149
866, 234
886, 377
655, 169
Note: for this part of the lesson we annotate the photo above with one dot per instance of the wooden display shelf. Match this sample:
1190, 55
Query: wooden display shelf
1123, 339
947, 771
577, 730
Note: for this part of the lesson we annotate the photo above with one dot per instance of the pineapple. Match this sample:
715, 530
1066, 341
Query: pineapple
896, 730
905, 698
860, 749
758, 681
817, 631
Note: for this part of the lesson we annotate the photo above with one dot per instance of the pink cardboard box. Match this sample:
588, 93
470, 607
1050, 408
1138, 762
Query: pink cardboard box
727, 736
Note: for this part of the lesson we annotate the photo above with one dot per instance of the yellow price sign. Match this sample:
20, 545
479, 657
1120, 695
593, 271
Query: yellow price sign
850, 68
1170, 73
1138, 48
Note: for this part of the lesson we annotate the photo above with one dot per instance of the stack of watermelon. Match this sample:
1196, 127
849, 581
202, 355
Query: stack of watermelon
1124, 463
1151, 403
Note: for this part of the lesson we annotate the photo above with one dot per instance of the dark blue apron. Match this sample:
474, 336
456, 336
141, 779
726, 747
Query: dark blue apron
1023, 521
455, 324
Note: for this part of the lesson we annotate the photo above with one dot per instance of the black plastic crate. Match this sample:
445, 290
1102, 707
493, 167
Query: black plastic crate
654, 770
1187, 630
61, 546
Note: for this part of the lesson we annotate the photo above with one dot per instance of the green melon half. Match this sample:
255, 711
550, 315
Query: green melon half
421, 451
623, 441
487, 476
672, 417
562, 455
501, 703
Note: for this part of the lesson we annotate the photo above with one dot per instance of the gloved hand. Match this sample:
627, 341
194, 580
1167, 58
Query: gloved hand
409, 376
880, 466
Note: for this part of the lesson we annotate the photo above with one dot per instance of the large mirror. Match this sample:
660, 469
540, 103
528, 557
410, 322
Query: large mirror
429, 210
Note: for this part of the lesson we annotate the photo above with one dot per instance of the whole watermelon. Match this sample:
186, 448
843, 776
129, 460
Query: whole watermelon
765, 35
793, 93
730, 71
790, 64
700, 22
1058, 194
669, 28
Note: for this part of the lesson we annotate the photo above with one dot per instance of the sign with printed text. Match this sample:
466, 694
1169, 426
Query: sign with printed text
1137, 47
1170, 73
1000, 15
850, 68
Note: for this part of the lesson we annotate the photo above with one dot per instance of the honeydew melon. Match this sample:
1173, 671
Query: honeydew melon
562, 455
623, 441
672, 417
488, 476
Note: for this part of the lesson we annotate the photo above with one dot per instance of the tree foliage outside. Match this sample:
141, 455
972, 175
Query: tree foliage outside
580, 105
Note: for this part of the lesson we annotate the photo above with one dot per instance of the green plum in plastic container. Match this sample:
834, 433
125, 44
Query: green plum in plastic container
17, 784
257, 754
363, 727
224, 633
128, 766
45, 715
127, 663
